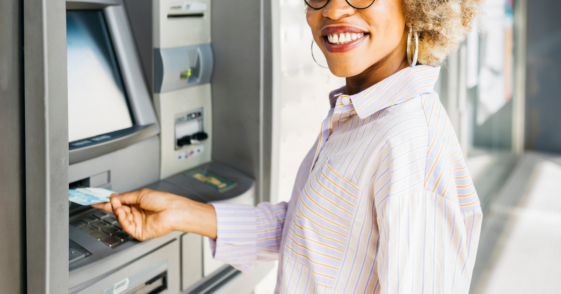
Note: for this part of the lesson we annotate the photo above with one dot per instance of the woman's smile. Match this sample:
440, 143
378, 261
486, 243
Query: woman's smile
342, 38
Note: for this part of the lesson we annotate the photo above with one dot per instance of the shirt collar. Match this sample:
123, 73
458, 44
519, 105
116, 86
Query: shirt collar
399, 87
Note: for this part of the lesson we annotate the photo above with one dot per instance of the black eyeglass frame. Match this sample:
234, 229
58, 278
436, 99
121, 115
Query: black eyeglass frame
327, 2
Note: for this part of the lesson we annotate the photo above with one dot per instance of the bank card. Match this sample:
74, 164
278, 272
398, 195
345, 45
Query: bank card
88, 196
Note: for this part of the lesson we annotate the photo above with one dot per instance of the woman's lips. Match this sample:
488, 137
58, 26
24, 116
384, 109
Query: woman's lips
341, 29
338, 48
335, 46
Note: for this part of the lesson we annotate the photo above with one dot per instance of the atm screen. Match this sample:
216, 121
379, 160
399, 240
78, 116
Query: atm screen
97, 101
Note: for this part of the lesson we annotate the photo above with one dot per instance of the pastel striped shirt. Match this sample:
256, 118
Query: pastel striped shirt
382, 203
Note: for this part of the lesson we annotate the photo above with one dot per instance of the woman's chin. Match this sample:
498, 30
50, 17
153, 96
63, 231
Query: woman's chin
345, 69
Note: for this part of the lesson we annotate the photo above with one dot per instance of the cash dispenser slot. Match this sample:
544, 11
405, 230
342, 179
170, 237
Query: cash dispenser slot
186, 15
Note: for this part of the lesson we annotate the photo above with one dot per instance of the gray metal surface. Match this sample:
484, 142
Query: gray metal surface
46, 145
84, 277
542, 76
168, 252
191, 260
173, 189
130, 168
241, 84
243, 192
93, 151
170, 62
12, 160
245, 283
140, 17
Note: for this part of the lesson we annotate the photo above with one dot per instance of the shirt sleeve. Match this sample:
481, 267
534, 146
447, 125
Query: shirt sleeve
247, 234
427, 244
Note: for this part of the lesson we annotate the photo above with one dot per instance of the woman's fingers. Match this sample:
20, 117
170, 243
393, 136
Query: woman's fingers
107, 207
115, 203
130, 198
122, 217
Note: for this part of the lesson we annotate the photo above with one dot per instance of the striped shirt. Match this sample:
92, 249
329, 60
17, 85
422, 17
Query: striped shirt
382, 203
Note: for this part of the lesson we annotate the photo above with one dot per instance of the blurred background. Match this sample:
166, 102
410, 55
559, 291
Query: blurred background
501, 90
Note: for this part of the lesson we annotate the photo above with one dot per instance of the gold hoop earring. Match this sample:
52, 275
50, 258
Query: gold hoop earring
412, 59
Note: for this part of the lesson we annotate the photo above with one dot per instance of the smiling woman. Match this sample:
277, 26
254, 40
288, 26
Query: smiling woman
383, 202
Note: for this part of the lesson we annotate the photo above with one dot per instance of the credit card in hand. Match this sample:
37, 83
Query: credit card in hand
88, 196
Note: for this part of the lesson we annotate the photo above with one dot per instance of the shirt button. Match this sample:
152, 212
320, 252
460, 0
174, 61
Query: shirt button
346, 100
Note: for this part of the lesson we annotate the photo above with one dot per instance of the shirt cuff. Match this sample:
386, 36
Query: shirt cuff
236, 235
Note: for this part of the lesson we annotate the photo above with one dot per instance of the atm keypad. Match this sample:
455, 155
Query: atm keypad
110, 230
104, 227
110, 220
99, 224
88, 229
98, 235
101, 214
122, 236
89, 219
78, 224
111, 241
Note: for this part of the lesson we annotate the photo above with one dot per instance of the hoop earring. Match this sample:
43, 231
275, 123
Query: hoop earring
312, 50
413, 62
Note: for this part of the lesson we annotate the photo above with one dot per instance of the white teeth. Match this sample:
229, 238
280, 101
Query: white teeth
343, 38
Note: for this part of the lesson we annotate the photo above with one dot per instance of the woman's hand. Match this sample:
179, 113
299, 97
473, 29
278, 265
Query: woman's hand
146, 214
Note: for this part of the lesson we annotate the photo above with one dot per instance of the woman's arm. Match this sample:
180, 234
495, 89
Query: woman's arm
240, 234
146, 214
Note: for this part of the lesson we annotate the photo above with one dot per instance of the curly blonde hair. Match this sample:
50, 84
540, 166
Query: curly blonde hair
441, 25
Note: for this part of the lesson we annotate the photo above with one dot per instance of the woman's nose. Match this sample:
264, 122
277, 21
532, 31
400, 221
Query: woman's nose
338, 9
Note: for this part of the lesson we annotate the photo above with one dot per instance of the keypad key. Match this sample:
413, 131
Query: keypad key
99, 224
89, 219
111, 241
101, 214
110, 220
110, 230
98, 235
118, 226
122, 236
88, 229
78, 224
75, 254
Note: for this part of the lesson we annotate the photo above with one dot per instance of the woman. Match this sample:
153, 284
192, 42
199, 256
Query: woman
383, 202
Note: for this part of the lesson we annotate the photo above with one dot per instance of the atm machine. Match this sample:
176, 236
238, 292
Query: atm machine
132, 126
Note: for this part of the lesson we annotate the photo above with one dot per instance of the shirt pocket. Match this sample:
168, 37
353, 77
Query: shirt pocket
320, 229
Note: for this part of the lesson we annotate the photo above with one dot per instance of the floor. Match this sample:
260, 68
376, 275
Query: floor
521, 239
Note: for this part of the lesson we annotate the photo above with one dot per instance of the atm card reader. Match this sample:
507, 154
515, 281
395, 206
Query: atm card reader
189, 129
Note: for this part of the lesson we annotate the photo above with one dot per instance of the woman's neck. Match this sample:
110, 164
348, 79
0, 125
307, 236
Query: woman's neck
387, 66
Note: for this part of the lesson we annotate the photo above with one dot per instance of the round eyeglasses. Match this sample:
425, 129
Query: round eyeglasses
356, 4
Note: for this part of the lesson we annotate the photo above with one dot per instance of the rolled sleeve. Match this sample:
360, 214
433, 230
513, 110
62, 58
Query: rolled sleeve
246, 234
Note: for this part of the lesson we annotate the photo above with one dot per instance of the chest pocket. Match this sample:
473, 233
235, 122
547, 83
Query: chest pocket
320, 228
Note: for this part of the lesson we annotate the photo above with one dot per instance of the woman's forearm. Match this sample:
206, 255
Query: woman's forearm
198, 218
